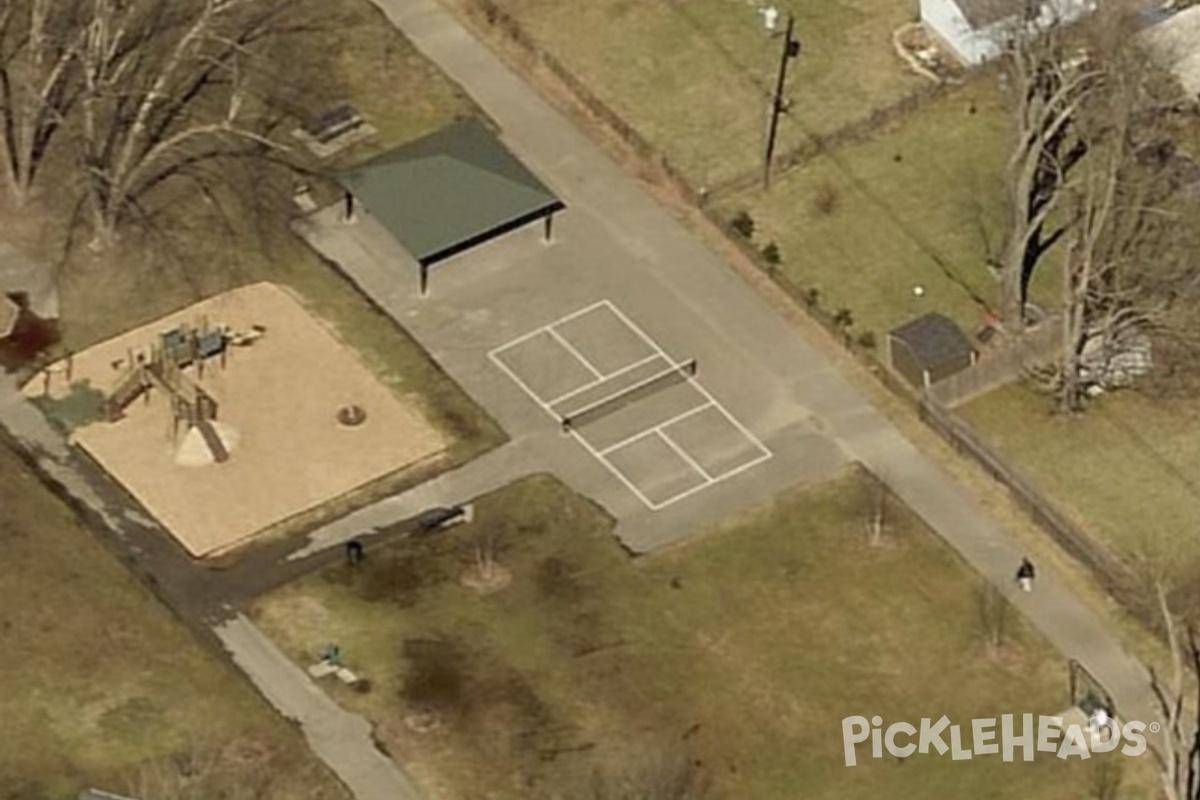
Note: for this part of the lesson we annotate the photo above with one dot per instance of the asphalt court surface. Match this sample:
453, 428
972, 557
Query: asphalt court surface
645, 415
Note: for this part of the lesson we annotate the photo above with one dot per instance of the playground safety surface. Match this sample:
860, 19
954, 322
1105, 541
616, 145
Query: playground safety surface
281, 395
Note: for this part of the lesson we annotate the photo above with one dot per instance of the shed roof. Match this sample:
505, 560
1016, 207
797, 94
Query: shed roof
933, 339
449, 191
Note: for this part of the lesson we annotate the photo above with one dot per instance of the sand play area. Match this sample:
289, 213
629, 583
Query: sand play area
277, 405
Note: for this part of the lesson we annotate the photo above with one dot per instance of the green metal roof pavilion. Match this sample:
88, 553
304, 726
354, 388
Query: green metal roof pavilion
449, 191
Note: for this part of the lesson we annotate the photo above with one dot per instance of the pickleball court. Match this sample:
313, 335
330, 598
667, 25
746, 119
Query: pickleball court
641, 411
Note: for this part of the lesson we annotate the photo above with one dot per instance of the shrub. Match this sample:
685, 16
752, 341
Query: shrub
867, 339
812, 297
826, 199
742, 224
844, 318
770, 254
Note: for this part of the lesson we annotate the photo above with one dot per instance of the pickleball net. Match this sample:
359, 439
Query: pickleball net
671, 376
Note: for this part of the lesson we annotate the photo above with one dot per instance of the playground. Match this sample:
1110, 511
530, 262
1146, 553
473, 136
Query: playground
237, 413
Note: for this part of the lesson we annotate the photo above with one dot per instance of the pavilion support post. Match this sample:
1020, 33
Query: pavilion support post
548, 231
348, 207
424, 279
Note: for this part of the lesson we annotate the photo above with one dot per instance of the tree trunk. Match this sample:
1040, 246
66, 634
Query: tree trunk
1012, 289
1070, 390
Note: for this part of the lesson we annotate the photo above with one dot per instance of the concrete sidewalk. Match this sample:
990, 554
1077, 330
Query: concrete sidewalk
341, 739
666, 255
489, 472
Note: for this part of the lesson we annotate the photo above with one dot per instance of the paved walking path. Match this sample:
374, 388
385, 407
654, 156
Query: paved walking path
485, 474
341, 739
666, 254
655, 267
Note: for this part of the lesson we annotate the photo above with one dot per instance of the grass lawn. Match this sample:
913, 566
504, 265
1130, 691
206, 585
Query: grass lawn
744, 650
1128, 470
921, 204
201, 248
695, 78
98, 678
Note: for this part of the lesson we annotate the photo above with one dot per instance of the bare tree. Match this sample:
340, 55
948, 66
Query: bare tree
1105, 779
196, 773
168, 89
40, 43
1179, 760
487, 545
1050, 82
877, 523
1126, 268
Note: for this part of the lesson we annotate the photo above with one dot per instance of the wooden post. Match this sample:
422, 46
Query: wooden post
791, 49
424, 280
547, 233
348, 212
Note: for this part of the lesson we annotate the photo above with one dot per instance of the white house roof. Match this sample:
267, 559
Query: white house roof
1176, 41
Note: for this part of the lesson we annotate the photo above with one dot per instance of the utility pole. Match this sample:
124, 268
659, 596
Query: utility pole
791, 49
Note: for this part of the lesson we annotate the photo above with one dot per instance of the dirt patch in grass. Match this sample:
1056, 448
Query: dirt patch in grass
743, 650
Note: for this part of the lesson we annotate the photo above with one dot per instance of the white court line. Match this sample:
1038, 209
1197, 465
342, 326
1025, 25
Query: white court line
633, 327
601, 456
527, 336
599, 381
520, 340
655, 429
754, 462
689, 492
496, 360
625, 442
613, 469
679, 451
646, 338
558, 337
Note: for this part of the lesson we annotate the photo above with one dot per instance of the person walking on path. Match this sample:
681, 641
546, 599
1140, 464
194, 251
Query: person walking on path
1025, 575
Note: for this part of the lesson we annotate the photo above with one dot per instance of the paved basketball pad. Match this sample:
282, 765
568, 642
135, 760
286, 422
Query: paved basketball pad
666, 439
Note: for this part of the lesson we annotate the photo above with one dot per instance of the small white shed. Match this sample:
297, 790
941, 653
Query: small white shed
975, 30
